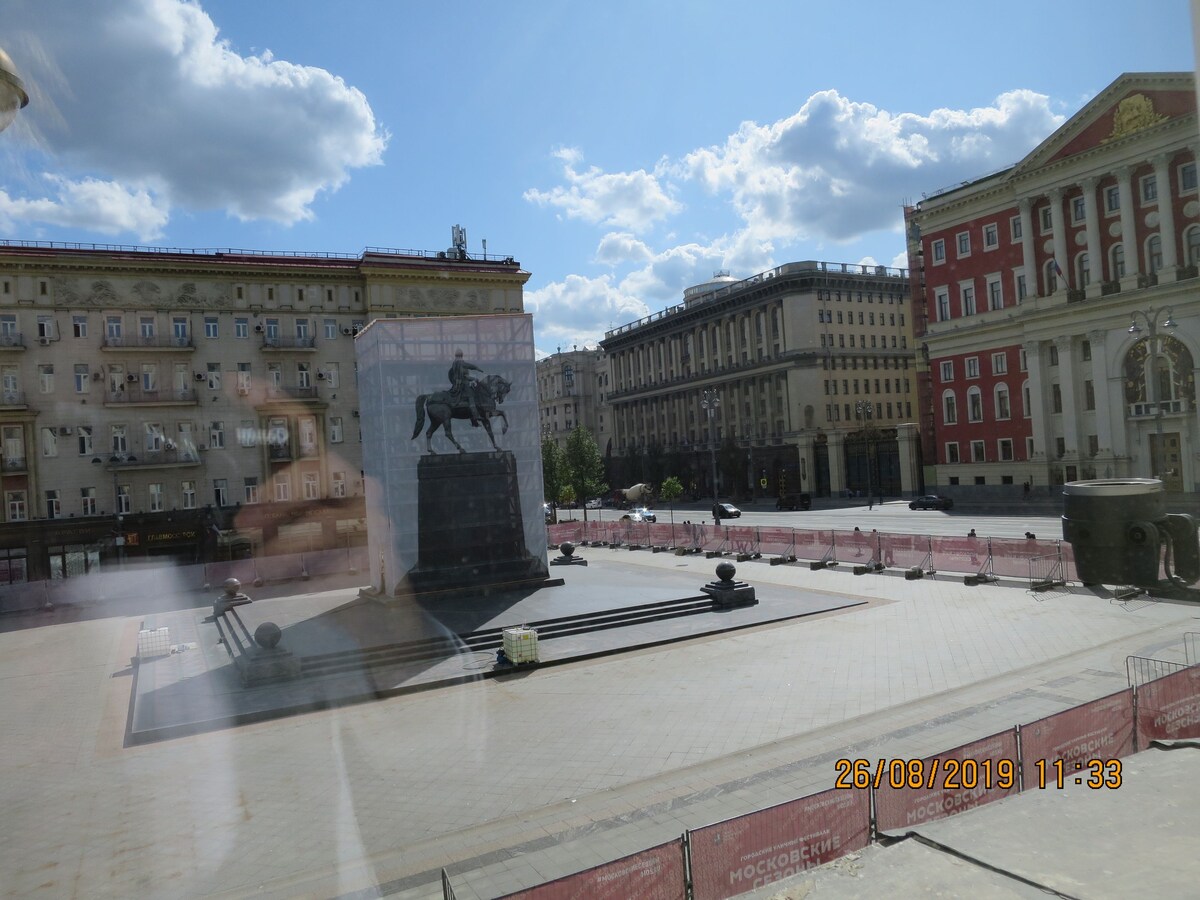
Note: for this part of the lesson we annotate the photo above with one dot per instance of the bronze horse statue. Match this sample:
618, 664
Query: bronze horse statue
442, 408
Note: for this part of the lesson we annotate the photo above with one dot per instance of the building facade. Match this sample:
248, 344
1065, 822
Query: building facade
196, 405
798, 379
572, 390
1058, 302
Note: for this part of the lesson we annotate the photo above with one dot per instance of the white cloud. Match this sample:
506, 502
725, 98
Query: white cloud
837, 169
632, 200
579, 310
102, 206
144, 96
620, 247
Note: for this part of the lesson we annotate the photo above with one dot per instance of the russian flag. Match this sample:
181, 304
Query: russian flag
1057, 270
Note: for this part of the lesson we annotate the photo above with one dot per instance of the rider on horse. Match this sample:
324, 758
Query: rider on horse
462, 385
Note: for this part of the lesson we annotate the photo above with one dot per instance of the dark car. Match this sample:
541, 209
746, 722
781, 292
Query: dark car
794, 502
726, 511
932, 501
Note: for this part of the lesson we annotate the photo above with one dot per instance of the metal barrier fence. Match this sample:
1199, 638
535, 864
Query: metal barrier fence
1140, 670
874, 797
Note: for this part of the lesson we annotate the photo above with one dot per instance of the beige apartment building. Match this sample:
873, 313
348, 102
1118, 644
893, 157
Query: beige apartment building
804, 374
572, 390
196, 404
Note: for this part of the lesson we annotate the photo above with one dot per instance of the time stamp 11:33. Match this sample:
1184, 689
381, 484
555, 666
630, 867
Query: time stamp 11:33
972, 774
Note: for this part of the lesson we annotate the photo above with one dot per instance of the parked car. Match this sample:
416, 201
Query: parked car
594, 503
646, 515
726, 511
632, 516
549, 513
932, 501
794, 502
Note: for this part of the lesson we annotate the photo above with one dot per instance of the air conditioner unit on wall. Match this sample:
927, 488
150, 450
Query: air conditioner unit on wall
347, 331
65, 431
97, 376
44, 341
258, 329
199, 376
243, 391
131, 378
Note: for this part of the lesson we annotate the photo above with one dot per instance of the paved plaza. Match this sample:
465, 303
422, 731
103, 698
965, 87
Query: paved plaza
515, 780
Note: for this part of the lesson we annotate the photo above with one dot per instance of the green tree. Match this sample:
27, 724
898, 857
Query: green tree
584, 466
670, 491
554, 470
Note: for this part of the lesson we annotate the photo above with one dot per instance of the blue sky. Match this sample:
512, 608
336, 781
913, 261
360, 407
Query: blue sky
620, 151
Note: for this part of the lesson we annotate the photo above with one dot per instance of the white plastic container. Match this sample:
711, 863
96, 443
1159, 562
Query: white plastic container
156, 642
521, 645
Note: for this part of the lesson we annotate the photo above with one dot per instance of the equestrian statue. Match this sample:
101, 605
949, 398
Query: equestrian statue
476, 399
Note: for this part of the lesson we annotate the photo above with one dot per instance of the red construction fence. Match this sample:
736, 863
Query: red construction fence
875, 797
1008, 557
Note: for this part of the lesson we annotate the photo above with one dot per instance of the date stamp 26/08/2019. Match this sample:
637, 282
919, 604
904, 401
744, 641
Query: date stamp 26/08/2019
972, 774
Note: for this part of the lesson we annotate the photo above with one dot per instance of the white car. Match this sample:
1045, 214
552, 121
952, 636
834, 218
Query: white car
595, 503
644, 515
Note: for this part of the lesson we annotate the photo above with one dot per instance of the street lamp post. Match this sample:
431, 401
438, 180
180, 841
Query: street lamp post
710, 402
863, 409
1150, 317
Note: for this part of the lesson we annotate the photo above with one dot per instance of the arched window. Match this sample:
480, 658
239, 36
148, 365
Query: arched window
1116, 261
1083, 275
1154, 256
974, 405
1049, 277
949, 408
1191, 242
1003, 410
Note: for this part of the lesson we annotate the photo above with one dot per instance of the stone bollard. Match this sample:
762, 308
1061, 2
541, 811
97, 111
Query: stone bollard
727, 593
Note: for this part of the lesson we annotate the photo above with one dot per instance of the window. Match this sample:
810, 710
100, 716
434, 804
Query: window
247, 433
221, 491
1026, 401
84, 433
335, 430
991, 237
977, 452
312, 486
995, 293
250, 487
146, 328
1078, 210
1085, 350
331, 329
87, 501
999, 363
150, 379
952, 452
303, 375
48, 438
82, 378
307, 429
216, 436
968, 300
337, 484
1187, 178
1191, 240
156, 497
301, 331
120, 439
283, 488
1089, 394
1056, 398
1022, 290
942, 299
210, 327
1054, 354
241, 328
1112, 199
1045, 219
947, 367
1060, 447
937, 251
79, 326
949, 409
214, 376
53, 505
273, 330
1003, 410
187, 490
154, 439
1051, 276
1117, 261
1083, 273
963, 241
1004, 449
243, 378
16, 506
46, 378
1015, 229
124, 500
1093, 444
45, 327
972, 366
974, 405
1149, 189
1154, 257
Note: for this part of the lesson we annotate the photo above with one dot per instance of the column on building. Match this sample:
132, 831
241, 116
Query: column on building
837, 462
1071, 408
1166, 217
908, 437
1129, 246
1059, 226
1106, 403
1039, 424
1092, 219
1028, 254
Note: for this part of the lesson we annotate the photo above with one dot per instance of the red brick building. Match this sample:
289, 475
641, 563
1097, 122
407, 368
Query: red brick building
1058, 305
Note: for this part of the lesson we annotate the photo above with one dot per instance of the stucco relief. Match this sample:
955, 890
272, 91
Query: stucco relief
102, 294
1114, 229
147, 291
65, 291
1133, 114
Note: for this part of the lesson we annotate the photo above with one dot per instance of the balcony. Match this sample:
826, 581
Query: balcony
12, 400
134, 394
279, 452
168, 457
12, 341
14, 464
301, 344
1150, 410
279, 392
147, 342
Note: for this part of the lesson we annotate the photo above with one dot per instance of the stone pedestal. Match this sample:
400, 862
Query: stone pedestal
265, 665
727, 593
567, 556
470, 528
